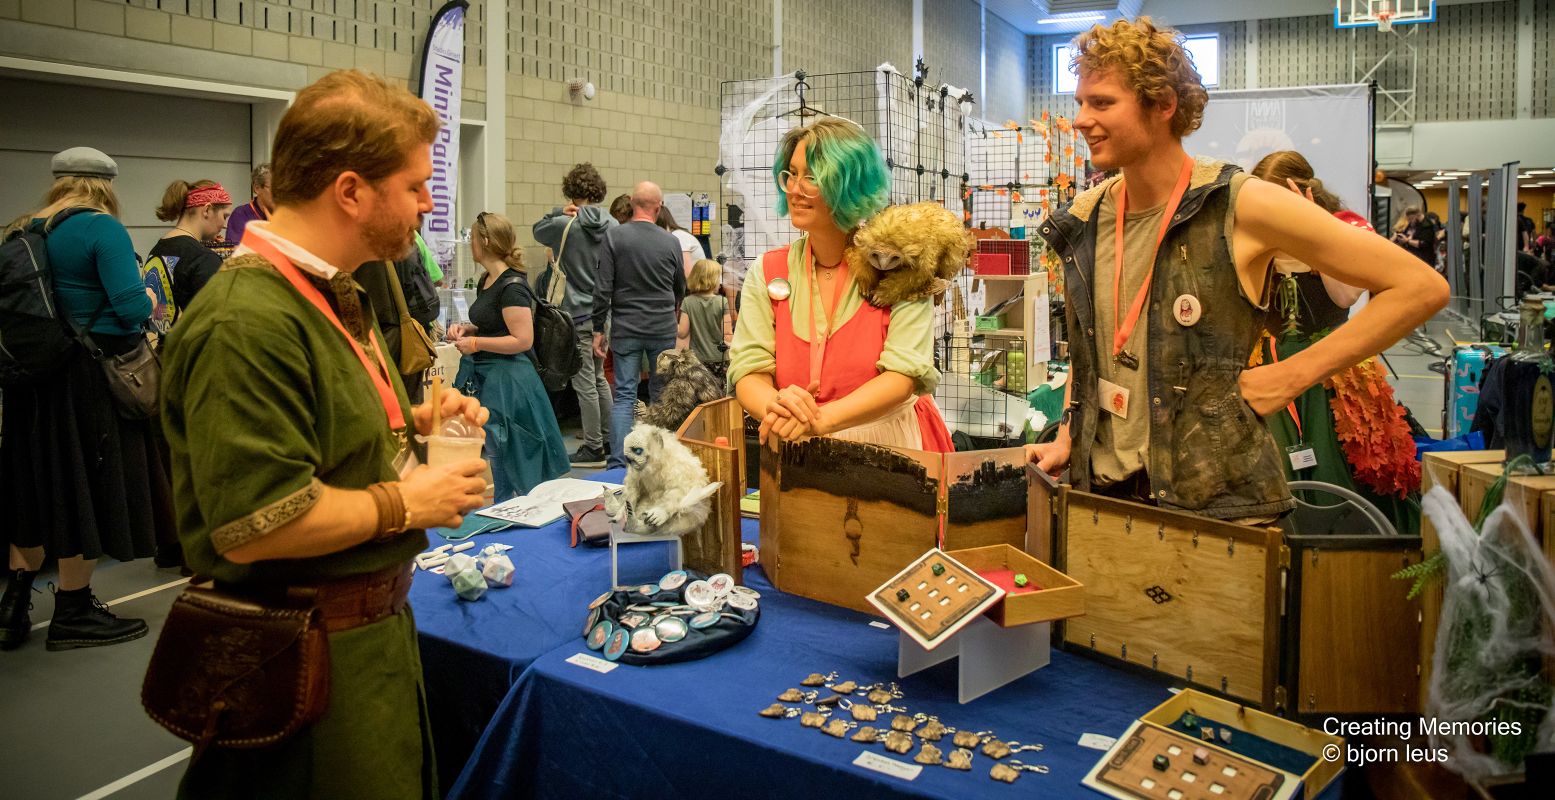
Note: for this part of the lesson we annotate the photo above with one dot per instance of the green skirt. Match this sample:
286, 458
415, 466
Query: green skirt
1317, 432
523, 443
373, 741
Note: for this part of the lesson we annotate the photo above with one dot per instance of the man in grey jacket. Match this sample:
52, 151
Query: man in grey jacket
583, 224
641, 282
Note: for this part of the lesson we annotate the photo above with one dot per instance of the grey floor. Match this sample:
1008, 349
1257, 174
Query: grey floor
74, 727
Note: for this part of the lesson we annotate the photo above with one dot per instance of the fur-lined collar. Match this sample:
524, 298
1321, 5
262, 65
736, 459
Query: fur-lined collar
1205, 172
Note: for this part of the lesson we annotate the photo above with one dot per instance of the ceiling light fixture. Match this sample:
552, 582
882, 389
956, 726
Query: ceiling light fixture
1089, 16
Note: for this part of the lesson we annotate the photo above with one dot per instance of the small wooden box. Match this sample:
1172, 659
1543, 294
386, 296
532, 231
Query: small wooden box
1190, 597
1220, 713
1060, 596
840, 518
716, 547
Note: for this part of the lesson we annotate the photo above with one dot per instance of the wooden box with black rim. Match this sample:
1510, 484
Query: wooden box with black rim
840, 518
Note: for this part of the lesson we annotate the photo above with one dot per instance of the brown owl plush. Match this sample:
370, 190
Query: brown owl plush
908, 252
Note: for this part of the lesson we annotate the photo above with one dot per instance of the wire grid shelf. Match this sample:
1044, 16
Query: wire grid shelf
920, 130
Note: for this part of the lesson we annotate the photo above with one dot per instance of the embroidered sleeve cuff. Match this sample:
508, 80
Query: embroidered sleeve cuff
262, 521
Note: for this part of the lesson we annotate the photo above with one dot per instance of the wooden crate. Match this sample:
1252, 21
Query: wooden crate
1350, 633
840, 518
1440, 469
1060, 597
1190, 597
716, 547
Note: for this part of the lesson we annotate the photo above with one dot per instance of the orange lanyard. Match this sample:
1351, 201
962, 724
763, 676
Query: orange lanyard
1274, 358
818, 339
391, 403
1121, 333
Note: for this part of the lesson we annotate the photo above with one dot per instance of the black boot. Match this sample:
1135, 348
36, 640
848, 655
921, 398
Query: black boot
14, 605
81, 621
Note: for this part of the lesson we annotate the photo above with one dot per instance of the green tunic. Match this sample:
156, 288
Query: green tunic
263, 403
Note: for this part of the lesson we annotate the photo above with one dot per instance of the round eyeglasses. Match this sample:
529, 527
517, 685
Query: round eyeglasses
802, 185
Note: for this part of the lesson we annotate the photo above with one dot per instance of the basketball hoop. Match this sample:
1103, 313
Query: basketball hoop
1384, 21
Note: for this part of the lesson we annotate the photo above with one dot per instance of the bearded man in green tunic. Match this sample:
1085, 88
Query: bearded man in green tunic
292, 462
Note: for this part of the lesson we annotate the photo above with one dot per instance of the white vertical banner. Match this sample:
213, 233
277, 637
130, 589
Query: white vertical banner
442, 81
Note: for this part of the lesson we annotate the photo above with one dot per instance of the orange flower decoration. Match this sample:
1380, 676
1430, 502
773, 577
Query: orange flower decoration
1015, 197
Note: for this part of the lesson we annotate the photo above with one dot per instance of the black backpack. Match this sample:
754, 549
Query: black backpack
555, 349
34, 337
420, 295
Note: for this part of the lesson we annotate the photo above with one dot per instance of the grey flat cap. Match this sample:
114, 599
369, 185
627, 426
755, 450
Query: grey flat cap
84, 161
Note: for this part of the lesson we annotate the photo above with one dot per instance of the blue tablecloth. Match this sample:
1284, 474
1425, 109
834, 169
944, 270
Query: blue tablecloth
692, 729
472, 652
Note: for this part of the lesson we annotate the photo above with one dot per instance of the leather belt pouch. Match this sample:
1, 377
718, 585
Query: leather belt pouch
234, 672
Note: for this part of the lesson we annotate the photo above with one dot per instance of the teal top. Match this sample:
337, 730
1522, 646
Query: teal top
92, 259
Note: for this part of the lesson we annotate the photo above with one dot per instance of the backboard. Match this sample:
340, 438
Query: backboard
1382, 14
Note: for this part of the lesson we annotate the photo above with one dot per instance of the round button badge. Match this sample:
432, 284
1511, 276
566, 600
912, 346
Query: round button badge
592, 621
700, 595
615, 645
721, 584
670, 629
673, 580
600, 600
741, 602
648, 589
600, 634
706, 619
644, 640
1187, 309
778, 289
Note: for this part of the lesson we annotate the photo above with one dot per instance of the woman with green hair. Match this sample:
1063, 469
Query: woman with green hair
810, 356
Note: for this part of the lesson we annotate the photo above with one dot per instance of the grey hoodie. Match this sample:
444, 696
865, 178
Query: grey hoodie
580, 259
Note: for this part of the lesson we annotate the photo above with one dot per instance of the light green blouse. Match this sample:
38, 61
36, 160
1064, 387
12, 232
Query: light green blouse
909, 344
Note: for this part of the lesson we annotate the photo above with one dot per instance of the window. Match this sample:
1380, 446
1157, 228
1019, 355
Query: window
1205, 50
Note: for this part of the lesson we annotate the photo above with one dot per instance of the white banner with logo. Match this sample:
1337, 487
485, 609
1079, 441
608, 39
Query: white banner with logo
442, 78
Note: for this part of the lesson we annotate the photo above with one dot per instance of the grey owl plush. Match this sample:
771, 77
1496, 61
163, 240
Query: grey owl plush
686, 384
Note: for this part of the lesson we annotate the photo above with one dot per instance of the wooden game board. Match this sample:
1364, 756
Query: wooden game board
1128, 770
936, 606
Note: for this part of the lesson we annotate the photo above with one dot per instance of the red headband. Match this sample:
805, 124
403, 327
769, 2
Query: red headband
212, 195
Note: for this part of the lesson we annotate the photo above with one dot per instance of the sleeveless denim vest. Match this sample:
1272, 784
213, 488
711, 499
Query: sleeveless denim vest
1210, 452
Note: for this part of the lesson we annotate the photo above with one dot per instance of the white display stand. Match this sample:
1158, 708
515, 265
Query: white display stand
991, 655
619, 536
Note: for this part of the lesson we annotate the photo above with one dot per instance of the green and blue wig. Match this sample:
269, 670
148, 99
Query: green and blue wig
847, 165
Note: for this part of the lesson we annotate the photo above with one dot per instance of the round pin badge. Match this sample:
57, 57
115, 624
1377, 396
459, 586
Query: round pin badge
648, 589
600, 634
700, 595
592, 621
741, 602
615, 645
673, 580
600, 600
636, 619
748, 592
1187, 309
670, 629
706, 619
644, 640
778, 289
662, 604
721, 584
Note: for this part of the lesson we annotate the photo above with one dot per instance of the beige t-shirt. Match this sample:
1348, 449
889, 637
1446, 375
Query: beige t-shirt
1123, 444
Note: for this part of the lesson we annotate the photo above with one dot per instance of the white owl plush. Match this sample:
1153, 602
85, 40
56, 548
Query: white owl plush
667, 490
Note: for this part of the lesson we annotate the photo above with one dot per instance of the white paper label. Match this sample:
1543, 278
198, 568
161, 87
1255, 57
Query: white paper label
1114, 398
887, 766
587, 661
1302, 459
1096, 741
878, 624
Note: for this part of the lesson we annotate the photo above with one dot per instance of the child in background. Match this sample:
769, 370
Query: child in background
704, 317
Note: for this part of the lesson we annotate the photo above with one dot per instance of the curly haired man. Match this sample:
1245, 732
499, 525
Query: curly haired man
575, 232
1167, 265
